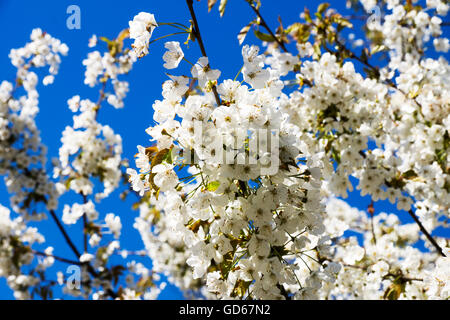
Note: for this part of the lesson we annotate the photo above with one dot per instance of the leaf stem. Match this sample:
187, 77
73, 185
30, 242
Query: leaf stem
167, 35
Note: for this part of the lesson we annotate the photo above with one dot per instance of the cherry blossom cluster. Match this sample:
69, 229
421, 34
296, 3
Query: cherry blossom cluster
385, 265
90, 151
15, 242
242, 182
403, 112
90, 148
239, 229
22, 155
246, 234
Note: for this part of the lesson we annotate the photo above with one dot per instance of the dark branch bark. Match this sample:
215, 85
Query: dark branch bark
266, 26
64, 233
426, 233
85, 224
198, 36
90, 269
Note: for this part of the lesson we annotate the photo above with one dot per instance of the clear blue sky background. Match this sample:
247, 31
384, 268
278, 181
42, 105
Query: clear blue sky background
107, 18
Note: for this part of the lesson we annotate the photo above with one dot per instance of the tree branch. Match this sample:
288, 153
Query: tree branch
43, 254
90, 269
426, 233
85, 224
198, 36
266, 26
64, 233
371, 211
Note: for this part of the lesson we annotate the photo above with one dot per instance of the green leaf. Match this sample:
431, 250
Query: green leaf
317, 52
264, 36
322, 7
105, 39
299, 32
394, 291
168, 158
213, 186
307, 16
410, 174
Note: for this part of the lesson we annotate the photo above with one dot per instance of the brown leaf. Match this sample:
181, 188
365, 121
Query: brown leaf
243, 33
222, 5
211, 4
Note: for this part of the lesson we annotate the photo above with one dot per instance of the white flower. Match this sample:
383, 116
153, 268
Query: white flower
165, 178
74, 103
175, 88
441, 44
203, 72
141, 29
173, 56
142, 160
142, 23
353, 254
86, 257
136, 182
113, 224
48, 80
305, 49
253, 71
94, 68
92, 41
71, 215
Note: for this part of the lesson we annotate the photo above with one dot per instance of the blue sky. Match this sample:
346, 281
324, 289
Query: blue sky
108, 18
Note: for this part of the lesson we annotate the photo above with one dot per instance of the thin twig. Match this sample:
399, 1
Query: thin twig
43, 254
371, 211
196, 31
90, 269
64, 233
85, 225
266, 26
426, 233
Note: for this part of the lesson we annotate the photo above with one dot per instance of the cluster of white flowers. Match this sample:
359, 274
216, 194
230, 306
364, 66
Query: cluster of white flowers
239, 184
385, 264
406, 118
15, 242
89, 148
71, 214
173, 56
249, 234
102, 68
233, 223
90, 151
141, 29
22, 155
84, 145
